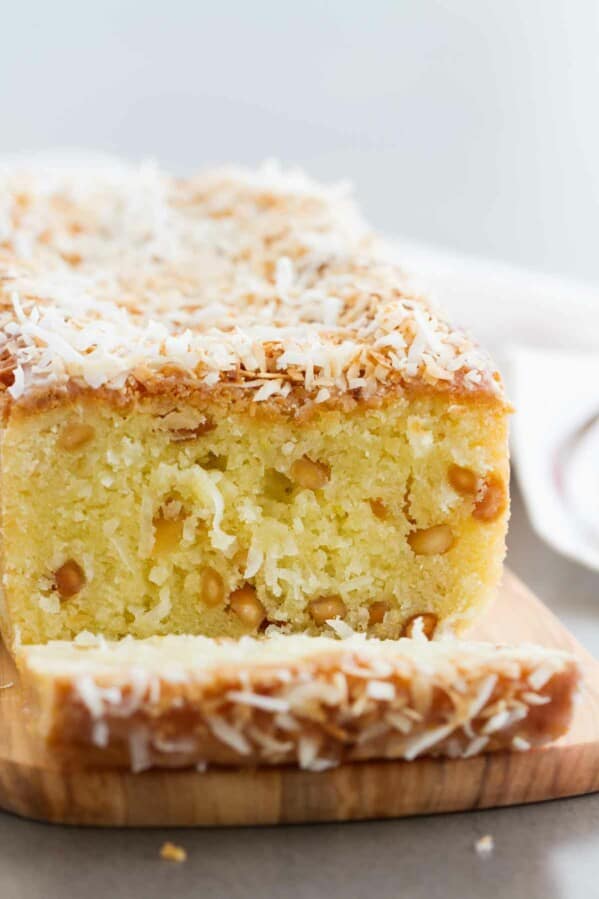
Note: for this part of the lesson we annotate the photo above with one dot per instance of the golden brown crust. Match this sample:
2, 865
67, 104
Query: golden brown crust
299, 405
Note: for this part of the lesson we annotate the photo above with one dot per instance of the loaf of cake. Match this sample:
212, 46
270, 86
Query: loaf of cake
314, 701
224, 406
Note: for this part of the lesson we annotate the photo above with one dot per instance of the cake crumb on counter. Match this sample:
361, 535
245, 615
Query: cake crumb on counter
485, 845
172, 853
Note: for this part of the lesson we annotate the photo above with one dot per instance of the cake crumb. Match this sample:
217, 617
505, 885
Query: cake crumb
485, 845
173, 853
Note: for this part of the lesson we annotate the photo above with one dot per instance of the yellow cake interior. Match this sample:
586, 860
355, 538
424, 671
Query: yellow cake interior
152, 518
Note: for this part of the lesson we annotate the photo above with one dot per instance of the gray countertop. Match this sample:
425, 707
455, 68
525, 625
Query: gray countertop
545, 851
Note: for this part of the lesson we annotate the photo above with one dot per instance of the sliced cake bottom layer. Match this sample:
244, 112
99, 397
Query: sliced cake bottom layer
180, 701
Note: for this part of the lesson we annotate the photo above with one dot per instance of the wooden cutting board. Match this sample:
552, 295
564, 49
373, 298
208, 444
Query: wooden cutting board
35, 784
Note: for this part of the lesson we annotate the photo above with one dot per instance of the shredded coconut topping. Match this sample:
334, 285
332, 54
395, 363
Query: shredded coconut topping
262, 280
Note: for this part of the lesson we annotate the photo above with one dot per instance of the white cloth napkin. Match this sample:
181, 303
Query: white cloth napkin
544, 333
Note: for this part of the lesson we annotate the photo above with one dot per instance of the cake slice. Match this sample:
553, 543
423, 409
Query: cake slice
313, 701
223, 407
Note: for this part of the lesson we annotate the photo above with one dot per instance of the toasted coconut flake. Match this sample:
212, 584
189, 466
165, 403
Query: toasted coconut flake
307, 750
227, 734
520, 744
484, 694
139, 750
341, 628
475, 746
258, 701
540, 676
382, 690
100, 733
420, 743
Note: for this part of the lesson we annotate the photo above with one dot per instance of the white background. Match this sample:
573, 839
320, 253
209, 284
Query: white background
471, 124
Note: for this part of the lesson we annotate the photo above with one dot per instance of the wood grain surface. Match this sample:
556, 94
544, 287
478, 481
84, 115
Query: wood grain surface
36, 784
